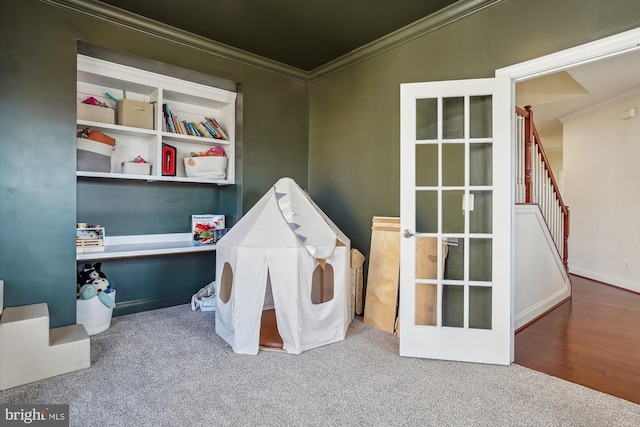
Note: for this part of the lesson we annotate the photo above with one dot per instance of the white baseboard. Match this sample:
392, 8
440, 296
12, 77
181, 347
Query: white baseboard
615, 281
530, 313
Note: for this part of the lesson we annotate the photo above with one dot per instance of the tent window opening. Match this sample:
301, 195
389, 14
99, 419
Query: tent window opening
322, 284
226, 283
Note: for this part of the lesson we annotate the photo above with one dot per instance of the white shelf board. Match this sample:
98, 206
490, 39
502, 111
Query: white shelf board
145, 245
118, 129
152, 178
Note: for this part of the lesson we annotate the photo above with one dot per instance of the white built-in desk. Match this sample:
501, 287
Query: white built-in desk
145, 245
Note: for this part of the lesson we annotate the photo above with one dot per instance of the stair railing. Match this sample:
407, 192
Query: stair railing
535, 183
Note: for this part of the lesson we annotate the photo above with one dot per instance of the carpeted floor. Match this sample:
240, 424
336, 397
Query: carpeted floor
168, 368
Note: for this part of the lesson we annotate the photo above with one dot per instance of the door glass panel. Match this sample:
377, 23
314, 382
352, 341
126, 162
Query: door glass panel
426, 258
453, 306
426, 118
480, 257
426, 165
452, 165
426, 211
453, 118
480, 307
454, 258
426, 304
452, 213
480, 118
480, 218
480, 164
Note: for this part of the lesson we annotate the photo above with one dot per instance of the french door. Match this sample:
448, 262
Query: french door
456, 219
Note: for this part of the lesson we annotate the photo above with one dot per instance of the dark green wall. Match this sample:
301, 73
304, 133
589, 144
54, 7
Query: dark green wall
339, 138
354, 152
38, 188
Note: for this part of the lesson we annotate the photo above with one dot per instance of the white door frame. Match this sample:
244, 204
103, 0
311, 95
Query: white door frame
597, 50
618, 44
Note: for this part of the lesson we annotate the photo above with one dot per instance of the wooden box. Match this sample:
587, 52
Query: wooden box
89, 239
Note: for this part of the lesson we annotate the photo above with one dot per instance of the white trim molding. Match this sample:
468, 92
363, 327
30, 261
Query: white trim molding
617, 44
605, 278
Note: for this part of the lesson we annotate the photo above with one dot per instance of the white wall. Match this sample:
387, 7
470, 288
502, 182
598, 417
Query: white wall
601, 178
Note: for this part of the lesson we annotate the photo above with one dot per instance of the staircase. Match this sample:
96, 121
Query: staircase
30, 351
541, 228
535, 183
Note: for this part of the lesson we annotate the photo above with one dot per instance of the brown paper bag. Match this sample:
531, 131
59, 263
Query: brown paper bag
381, 300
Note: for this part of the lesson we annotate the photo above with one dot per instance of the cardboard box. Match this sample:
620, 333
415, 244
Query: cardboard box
94, 113
134, 113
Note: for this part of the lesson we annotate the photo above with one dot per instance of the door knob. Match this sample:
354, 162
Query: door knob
408, 234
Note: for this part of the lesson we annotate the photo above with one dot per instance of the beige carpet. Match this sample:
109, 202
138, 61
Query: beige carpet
168, 368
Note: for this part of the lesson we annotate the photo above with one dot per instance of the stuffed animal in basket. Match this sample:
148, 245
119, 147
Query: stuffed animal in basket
93, 275
93, 282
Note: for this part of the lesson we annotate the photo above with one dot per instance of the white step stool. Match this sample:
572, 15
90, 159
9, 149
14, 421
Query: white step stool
30, 351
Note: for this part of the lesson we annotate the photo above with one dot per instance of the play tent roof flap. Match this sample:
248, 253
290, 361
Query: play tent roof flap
283, 254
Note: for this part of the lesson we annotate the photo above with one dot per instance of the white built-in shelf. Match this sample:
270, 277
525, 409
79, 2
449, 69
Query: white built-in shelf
145, 245
189, 101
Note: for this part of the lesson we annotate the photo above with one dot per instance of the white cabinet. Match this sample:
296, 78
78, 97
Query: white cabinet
189, 101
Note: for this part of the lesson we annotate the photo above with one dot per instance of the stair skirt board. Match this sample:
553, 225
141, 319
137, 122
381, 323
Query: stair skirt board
541, 279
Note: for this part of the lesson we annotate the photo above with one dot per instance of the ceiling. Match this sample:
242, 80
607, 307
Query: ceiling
302, 33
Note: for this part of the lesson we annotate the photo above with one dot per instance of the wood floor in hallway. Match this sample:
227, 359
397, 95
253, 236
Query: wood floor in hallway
592, 339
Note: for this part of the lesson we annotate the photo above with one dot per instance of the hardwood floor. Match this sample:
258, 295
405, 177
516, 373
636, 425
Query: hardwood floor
592, 339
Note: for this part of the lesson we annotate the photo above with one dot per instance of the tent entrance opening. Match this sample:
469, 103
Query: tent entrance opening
269, 335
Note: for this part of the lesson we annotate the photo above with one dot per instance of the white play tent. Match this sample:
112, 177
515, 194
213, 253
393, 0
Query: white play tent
284, 254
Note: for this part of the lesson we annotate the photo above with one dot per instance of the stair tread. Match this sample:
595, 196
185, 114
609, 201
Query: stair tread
24, 312
67, 334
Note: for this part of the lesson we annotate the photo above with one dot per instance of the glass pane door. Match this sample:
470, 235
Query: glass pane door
449, 296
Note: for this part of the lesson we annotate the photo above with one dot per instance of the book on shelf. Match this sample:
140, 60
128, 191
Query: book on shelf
218, 128
214, 133
192, 130
166, 111
176, 123
203, 226
202, 130
183, 129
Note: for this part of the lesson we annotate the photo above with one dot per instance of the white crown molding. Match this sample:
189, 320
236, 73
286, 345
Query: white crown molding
458, 10
633, 93
131, 21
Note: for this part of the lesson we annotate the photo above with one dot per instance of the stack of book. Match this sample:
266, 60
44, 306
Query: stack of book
207, 128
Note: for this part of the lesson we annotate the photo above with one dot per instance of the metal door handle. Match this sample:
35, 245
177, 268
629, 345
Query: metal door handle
408, 234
